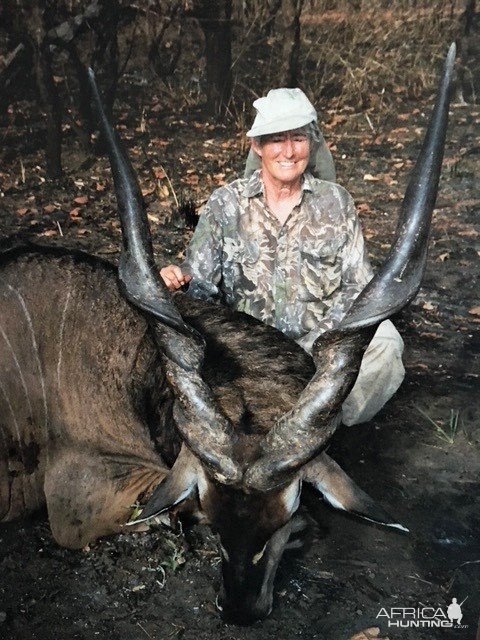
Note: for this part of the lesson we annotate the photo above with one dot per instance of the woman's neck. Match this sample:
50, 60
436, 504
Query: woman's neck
278, 191
281, 197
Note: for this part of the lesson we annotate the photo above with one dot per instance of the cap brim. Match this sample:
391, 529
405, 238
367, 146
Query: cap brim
281, 124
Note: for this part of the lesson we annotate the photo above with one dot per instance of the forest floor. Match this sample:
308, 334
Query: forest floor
419, 457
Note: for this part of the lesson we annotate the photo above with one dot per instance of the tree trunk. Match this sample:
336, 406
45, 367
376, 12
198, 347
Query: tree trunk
290, 30
84, 98
51, 104
105, 54
38, 26
215, 18
17, 65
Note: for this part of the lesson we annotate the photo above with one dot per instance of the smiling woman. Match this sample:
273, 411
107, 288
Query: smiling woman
284, 157
287, 248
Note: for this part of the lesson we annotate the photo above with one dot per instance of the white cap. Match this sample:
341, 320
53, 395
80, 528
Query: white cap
282, 110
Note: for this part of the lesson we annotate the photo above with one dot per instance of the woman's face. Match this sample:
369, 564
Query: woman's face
284, 155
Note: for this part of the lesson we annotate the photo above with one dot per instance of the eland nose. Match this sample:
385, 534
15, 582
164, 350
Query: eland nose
242, 612
244, 616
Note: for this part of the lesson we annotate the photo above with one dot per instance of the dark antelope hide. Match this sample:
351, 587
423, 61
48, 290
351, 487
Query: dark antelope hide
111, 394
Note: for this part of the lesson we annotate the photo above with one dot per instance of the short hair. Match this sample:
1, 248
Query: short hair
311, 130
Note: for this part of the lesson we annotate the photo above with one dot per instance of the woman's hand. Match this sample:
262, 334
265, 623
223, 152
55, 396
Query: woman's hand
173, 277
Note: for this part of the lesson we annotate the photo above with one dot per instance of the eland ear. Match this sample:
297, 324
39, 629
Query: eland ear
180, 482
342, 492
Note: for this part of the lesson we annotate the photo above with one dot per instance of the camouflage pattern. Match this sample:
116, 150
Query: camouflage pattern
300, 277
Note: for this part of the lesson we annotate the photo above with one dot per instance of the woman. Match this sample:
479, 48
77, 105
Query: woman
287, 247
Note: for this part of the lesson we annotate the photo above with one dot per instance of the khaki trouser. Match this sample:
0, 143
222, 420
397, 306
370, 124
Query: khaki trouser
380, 375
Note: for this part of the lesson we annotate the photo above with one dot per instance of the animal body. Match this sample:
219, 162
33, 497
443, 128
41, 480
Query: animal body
112, 394
85, 398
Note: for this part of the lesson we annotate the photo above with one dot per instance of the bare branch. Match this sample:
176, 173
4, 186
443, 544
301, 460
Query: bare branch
68, 30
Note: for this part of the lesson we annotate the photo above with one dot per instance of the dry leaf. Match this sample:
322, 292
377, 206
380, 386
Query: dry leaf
389, 180
81, 200
159, 173
399, 133
474, 311
75, 213
22, 211
336, 120
469, 233
192, 179
363, 207
428, 306
49, 208
369, 178
443, 256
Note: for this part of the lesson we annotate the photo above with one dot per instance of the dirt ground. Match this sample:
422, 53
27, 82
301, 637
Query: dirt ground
419, 457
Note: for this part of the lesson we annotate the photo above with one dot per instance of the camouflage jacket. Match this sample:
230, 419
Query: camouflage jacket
300, 277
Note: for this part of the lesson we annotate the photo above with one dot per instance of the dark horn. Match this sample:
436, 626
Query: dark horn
399, 279
203, 427
139, 280
303, 432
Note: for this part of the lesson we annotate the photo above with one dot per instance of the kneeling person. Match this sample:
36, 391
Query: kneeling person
287, 247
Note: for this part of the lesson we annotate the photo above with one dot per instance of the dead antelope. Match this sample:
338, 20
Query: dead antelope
112, 392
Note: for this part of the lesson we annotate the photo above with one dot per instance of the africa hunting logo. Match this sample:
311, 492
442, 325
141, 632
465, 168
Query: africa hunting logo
424, 617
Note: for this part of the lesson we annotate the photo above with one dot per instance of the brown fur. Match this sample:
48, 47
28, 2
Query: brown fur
86, 424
